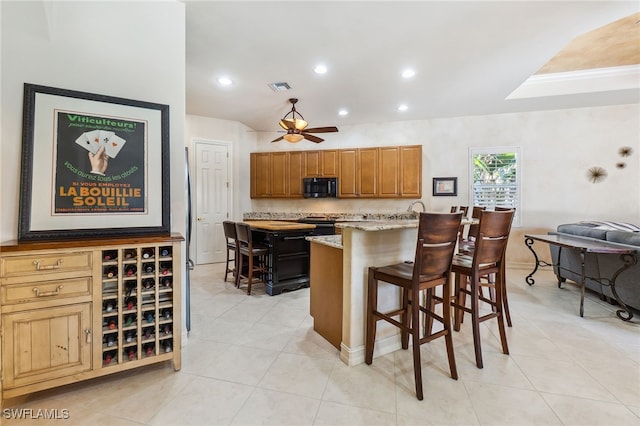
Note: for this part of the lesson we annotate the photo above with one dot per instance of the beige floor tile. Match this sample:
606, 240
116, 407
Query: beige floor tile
332, 414
299, 375
240, 364
581, 412
266, 407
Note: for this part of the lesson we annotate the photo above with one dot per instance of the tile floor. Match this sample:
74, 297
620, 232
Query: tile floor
255, 360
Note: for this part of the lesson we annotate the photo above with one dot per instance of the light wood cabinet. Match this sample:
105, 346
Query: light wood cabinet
75, 310
321, 163
385, 172
400, 172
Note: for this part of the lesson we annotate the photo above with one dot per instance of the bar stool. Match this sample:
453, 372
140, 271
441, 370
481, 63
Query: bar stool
256, 255
437, 238
487, 258
230, 239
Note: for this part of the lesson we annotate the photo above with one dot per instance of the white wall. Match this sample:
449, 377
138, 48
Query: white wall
133, 50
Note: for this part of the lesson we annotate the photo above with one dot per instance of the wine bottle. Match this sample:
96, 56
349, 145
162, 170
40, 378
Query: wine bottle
148, 332
148, 349
147, 253
166, 313
112, 324
109, 305
168, 345
165, 268
148, 283
109, 255
131, 302
130, 254
165, 252
166, 329
111, 271
131, 354
111, 340
108, 357
149, 268
129, 287
130, 336
129, 320
150, 317
130, 270
167, 282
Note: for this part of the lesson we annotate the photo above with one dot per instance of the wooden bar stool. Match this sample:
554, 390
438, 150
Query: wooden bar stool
437, 238
487, 258
229, 229
256, 255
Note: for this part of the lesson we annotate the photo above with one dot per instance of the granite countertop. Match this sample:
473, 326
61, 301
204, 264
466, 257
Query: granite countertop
378, 225
274, 225
338, 217
334, 241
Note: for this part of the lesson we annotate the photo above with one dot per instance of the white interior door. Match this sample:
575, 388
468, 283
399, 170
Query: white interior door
211, 200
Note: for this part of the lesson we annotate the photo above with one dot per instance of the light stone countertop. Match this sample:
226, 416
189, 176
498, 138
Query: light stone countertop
379, 225
334, 241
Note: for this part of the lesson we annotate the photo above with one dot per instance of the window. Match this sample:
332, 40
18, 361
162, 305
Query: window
495, 178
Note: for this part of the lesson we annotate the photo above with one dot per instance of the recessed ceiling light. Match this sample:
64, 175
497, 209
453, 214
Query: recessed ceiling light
320, 69
403, 107
408, 73
343, 112
225, 81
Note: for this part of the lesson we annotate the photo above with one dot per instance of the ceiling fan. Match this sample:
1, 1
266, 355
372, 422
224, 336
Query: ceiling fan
296, 127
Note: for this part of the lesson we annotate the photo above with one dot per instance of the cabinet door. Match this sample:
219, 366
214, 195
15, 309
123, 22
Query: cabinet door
329, 163
45, 344
279, 174
313, 164
260, 174
389, 172
348, 166
368, 172
296, 173
411, 171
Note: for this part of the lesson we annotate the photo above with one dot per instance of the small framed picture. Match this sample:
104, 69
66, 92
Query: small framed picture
443, 186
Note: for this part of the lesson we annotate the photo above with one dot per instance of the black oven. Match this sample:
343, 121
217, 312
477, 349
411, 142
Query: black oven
324, 226
318, 187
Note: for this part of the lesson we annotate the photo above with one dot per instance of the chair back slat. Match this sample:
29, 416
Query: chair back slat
437, 238
473, 229
493, 235
243, 232
229, 230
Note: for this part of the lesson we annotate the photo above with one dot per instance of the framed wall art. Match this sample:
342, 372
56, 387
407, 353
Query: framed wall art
445, 186
92, 166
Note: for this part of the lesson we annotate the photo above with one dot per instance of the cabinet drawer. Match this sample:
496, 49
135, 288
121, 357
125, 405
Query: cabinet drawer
46, 263
46, 290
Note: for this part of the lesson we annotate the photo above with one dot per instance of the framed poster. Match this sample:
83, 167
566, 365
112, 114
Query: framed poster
445, 186
92, 166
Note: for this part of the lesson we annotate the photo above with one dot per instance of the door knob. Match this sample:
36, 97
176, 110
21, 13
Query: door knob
199, 219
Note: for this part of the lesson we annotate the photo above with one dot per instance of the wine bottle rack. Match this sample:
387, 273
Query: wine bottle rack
137, 303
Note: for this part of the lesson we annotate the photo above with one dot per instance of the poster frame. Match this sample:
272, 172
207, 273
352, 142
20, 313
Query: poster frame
155, 219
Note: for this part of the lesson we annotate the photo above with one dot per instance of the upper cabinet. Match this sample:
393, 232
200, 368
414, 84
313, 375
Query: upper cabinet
321, 163
385, 172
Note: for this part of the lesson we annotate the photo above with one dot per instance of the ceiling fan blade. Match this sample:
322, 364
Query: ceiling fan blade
312, 138
277, 139
328, 129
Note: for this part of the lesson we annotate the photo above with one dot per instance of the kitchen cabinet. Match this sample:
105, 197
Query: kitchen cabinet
321, 163
296, 167
400, 172
358, 175
269, 174
384, 172
76, 310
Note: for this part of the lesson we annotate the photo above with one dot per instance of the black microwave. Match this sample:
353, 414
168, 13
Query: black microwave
318, 187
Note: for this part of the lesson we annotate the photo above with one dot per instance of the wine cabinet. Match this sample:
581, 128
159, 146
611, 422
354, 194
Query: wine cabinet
75, 310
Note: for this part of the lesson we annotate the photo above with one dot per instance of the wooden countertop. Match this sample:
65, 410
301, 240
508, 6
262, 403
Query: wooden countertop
277, 225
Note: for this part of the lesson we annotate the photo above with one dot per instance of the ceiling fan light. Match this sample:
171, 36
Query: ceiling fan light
300, 124
293, 137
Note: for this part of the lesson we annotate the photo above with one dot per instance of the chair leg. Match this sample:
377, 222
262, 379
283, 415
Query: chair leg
250, 273
372, 306
405, 318
239, 270
460, 299
499, 304
446, 316
415, 335
475, 319
226, 272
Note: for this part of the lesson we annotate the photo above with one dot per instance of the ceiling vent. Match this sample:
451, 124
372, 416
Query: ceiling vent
280, 87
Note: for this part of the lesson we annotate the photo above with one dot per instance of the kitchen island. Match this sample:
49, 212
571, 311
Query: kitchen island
362, 244
288, 259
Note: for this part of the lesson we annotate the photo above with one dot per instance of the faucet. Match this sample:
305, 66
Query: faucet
410, 209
